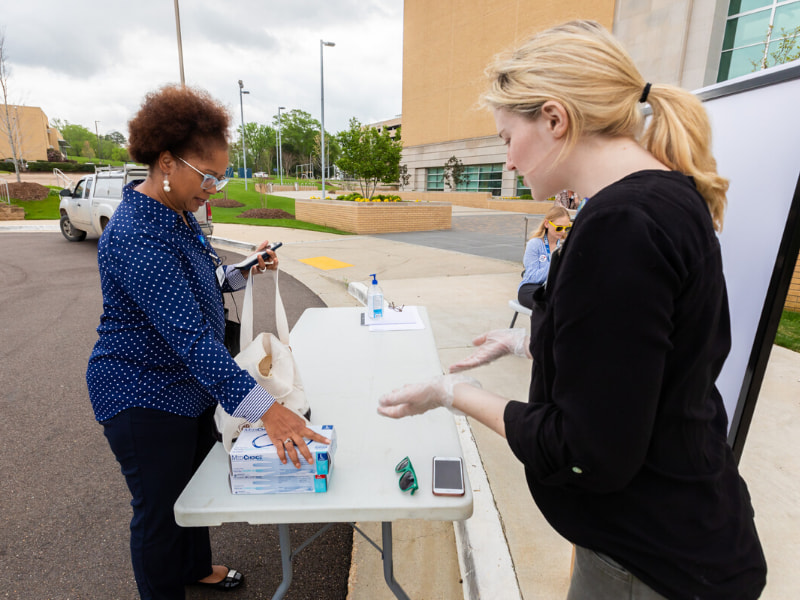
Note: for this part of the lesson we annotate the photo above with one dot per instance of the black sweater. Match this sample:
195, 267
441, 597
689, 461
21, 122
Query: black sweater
623, 437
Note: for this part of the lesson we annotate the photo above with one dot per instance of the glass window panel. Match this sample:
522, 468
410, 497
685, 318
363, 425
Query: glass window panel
522, 189
787, 17
482, 178
435, 179
740, 6
744, 31
739, 62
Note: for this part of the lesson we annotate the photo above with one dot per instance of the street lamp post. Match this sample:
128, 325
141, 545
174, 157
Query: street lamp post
280, 146
322, 44
180, 45
97, 133
244, 150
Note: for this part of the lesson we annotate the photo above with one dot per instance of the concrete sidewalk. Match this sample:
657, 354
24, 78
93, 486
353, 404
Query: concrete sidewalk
507, 550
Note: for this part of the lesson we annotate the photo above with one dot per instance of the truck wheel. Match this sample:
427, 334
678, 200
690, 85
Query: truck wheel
70, 232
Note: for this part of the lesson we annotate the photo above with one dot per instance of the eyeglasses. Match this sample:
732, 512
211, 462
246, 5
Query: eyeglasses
560, 228
408, 479
396, 308
209, 182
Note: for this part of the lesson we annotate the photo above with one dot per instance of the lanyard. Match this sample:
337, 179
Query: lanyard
546, 245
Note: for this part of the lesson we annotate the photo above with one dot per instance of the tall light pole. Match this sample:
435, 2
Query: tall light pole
97, 132
280, 146
322, 44
180, 45
244, 151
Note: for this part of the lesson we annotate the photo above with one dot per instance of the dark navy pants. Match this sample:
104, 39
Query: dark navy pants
158, 453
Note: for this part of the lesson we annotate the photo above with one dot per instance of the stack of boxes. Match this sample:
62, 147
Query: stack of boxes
256, 468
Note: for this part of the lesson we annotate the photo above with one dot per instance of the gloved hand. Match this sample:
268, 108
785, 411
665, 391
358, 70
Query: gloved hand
417, 398
493, 345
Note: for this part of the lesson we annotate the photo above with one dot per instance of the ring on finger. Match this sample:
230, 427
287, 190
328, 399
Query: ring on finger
288, 441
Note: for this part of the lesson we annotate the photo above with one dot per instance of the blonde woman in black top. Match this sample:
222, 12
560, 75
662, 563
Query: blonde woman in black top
623, 437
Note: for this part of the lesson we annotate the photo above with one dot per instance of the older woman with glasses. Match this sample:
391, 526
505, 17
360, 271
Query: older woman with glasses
160, 366
623, 436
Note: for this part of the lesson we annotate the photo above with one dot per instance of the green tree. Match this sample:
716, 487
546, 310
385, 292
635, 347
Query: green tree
786, 50
454, 173
369, 156
260, 146
298, 136
116, 138
9, 124
120, 154
78, 136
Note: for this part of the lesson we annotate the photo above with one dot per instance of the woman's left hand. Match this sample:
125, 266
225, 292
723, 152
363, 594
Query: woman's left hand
263, 265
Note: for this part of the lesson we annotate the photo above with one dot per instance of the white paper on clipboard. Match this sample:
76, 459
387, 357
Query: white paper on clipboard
392, 320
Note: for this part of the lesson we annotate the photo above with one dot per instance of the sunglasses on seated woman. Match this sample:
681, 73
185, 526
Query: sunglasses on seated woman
209, 182
560, 228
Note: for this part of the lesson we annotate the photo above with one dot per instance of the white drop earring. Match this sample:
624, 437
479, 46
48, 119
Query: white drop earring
166, 185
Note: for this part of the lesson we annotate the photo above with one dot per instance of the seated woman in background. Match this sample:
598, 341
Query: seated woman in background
536, 261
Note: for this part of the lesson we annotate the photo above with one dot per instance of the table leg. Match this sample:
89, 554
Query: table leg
286, 561
388, 568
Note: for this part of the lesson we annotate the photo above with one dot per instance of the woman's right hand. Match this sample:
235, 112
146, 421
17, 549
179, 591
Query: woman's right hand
287, 430
494, 344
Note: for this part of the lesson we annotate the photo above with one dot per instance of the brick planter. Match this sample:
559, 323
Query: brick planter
11, 212
375, 217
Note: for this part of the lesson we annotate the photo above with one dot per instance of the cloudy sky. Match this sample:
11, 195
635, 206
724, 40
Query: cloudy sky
93, 60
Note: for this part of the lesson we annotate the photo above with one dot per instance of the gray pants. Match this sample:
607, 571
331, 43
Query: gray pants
598, 577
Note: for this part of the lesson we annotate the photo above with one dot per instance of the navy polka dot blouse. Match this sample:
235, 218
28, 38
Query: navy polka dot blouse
163, 324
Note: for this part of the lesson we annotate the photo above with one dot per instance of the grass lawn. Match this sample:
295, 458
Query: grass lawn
252, 199
48, 208
788, 334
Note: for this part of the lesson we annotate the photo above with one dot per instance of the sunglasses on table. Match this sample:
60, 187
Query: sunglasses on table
560, 228
209, 183
408, 478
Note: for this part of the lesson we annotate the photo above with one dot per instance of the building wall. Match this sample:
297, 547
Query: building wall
673, 41
33, 133
446, 47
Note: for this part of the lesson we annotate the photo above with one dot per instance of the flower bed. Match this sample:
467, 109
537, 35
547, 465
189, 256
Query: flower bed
375, 217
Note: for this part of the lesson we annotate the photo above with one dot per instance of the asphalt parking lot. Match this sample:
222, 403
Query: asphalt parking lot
64, 506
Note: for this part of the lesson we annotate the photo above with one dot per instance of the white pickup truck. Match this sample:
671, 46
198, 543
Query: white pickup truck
88, 207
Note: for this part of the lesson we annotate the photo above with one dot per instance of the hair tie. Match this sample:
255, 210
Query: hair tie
645, 93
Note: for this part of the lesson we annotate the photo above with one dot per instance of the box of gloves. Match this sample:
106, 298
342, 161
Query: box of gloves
256, 469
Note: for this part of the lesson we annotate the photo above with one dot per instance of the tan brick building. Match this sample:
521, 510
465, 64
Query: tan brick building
32, 132
447, 45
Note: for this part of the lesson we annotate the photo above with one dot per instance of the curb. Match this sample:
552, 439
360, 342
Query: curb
487, 570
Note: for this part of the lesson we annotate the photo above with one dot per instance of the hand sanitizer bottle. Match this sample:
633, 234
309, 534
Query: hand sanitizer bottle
375, 299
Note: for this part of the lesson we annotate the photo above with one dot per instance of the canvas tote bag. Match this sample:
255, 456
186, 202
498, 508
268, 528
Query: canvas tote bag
269, 360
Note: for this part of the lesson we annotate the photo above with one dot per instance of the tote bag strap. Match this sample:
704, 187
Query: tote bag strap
281, 322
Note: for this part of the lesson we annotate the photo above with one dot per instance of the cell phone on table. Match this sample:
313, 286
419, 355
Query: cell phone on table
448, 476
252, 260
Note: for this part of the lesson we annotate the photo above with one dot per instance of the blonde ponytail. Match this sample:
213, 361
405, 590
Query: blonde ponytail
679, 135
583, 67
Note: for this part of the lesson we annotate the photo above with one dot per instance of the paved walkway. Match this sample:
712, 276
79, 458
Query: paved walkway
512, 549
507, 550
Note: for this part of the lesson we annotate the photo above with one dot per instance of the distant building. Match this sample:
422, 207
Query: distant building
390, 125
32, 132
447, 46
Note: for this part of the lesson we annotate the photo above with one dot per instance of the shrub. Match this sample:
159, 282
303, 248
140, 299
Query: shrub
67, 167
54, 155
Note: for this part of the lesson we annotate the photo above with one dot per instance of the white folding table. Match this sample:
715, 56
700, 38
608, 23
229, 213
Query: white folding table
345, 369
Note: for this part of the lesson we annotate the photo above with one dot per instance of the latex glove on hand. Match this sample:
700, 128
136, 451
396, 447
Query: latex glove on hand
493, 345
417, 398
